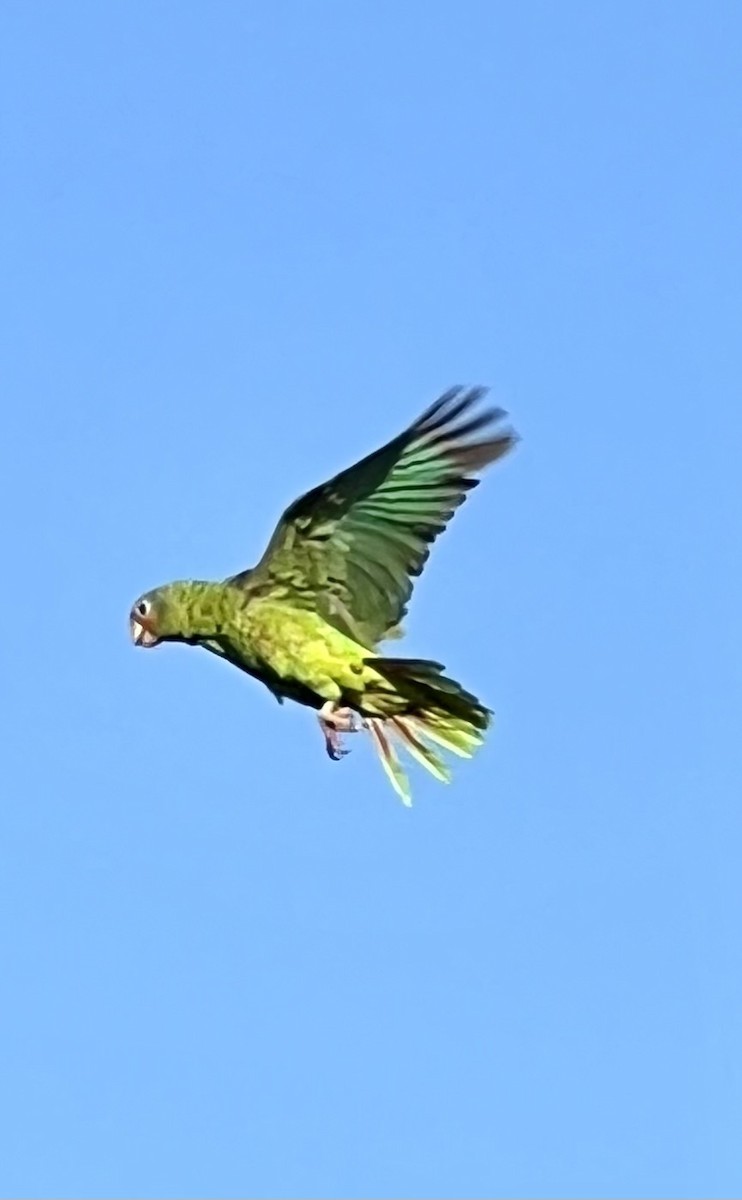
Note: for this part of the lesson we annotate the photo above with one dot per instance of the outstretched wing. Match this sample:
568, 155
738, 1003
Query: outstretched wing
351, 548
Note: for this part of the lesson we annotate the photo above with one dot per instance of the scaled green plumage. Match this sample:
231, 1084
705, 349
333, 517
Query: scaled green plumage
335, 581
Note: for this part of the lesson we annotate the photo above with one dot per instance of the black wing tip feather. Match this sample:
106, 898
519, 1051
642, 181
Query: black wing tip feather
454, 401
439, 426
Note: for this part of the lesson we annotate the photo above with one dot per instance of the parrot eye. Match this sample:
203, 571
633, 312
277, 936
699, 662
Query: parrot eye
143, 608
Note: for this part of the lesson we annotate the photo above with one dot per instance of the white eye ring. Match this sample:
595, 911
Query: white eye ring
143, 607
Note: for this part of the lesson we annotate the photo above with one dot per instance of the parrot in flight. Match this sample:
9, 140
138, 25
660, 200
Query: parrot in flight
335, 581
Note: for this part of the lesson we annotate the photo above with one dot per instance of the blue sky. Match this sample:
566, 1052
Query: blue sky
242, 245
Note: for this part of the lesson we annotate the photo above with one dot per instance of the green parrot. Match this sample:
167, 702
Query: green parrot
335, 581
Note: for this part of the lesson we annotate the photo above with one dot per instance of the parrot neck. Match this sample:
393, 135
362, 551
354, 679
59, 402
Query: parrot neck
201, 608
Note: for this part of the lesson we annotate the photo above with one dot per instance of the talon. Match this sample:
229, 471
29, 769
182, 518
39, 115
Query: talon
334, 745
333, 723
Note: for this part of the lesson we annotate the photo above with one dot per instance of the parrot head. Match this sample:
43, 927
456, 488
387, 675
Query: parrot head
145, 620
157, 616
171, 613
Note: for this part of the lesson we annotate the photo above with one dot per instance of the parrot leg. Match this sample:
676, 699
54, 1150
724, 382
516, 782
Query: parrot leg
334, 722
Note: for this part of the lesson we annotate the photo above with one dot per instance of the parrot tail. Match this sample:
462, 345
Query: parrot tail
440, 711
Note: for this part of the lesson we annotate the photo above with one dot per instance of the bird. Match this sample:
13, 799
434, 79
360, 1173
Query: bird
335, 582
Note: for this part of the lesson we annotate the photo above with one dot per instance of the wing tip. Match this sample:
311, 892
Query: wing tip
452, 404
439, 426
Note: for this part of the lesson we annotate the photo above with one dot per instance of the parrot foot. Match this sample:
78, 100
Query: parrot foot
334, 722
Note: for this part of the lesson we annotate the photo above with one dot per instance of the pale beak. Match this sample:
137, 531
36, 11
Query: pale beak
139, 634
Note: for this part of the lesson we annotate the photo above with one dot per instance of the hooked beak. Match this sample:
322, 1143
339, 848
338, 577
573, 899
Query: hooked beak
141, 635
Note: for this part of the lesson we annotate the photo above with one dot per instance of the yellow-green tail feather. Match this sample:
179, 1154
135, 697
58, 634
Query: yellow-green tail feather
438, 711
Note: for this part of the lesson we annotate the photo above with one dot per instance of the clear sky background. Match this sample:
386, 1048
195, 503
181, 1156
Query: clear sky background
243, 244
